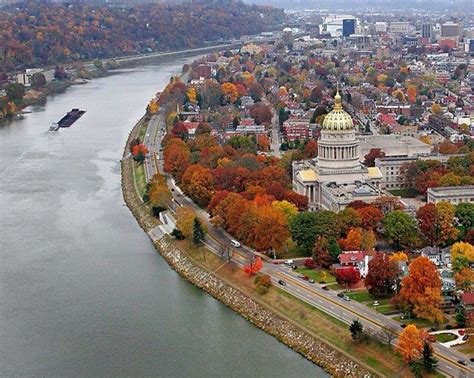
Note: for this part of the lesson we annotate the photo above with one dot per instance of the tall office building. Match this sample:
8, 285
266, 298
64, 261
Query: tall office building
348, 27
451, 30
426, 30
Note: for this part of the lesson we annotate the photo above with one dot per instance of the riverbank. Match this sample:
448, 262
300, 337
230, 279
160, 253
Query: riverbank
217, 283
101, 68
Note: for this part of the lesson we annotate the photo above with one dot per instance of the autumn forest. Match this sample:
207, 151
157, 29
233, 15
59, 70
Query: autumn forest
32, 34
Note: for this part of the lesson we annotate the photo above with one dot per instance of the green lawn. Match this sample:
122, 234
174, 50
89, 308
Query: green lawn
419, 322
445, 337
315, 274
142, 131
404, 193
361, 296
139, 177
291, 250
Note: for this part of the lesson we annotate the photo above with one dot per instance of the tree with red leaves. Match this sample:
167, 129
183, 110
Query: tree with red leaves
311, 149
139, 153
347, 276
370, 216
254, 266
374, 153
382, 275
261, 113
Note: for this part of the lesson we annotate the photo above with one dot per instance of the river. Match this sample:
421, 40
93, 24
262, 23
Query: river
82, 290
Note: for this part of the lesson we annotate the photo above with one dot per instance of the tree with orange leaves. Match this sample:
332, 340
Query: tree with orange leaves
421, 290
410, 343
353, 240
230, 92
263, 143
176, 155
411, 92
271, 231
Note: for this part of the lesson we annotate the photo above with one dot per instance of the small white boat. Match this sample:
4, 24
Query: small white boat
54, 126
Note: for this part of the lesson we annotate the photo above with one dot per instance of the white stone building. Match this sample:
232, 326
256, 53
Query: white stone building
336, 177
452, 194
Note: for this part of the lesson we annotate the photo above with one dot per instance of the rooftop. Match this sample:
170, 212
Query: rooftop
452, 189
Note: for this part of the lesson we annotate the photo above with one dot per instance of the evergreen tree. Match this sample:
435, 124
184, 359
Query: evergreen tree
334, 249
357, 330
461, 317
417, 369
429, 362
198, 234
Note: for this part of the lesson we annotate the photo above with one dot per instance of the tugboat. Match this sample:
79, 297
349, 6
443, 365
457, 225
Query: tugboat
54, 126
71, 117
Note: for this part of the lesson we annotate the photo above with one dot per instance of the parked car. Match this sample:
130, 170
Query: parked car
235, 243
282, 283
346, 298
294, 267
403, 325
288, 262
375, 304
311, 280
306, 278
301, 275
340, 295
325, 287
465, 337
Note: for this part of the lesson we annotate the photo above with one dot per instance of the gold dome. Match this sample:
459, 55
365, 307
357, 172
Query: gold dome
338, 118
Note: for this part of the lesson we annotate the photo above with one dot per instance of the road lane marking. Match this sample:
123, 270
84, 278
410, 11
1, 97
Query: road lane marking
291, 279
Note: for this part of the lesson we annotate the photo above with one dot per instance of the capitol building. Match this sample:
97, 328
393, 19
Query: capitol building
337, 177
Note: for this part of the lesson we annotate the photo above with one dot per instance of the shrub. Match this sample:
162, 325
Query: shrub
263, 283
309, 263
449, 326
156, 210
177, 234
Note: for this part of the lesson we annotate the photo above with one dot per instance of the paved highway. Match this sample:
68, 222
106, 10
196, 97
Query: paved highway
375, 323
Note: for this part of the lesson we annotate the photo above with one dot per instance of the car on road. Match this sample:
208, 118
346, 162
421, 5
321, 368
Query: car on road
311, 280
288, 262
294, 267
325, 287
465, 337
235, 243
340, 295
282, 283
301, 275
462, 362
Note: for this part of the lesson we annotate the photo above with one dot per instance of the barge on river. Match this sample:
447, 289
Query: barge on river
71, 117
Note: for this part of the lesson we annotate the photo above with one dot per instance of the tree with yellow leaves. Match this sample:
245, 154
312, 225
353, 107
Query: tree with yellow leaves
153, 106
191, 95
436, 108
289, 209
399, 256
462, 254
185, 221
410, 343
426, 139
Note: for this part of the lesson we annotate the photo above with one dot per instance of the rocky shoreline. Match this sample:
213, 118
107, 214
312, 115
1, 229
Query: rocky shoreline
284, 330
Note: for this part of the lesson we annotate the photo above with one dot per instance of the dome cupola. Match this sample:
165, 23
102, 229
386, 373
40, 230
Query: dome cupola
338, 119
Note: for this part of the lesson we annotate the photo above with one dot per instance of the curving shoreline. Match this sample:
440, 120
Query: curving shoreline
258, 314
